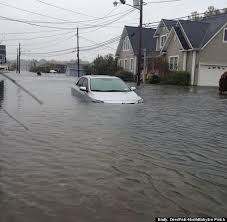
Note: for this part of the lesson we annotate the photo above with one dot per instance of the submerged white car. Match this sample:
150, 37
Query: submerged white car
105, 89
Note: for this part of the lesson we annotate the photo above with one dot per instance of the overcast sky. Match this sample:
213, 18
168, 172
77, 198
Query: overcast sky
93, 30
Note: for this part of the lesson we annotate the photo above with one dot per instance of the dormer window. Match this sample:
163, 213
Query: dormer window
162, 41
225, 36
126, 44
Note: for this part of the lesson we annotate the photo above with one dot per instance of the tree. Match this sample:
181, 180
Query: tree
106, 65
195, 15
211, 11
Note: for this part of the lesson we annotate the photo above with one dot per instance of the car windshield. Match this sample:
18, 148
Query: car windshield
108, 85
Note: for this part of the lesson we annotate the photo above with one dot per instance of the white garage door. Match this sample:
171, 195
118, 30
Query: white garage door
209, 75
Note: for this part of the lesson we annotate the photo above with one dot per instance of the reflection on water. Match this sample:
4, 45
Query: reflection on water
96, 162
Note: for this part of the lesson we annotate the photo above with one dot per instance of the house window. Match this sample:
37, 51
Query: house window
162, 40
225, 36
132, 64
126, 64
120, 63
173, 63
126, 44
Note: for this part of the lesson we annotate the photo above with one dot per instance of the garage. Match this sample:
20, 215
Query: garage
209, 75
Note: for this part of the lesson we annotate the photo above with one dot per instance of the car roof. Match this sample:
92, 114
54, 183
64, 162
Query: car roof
100, 77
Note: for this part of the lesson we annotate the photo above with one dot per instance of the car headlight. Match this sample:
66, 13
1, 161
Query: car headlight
140, 101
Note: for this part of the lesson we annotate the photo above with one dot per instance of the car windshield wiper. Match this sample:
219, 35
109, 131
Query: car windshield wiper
110, 90
117, 91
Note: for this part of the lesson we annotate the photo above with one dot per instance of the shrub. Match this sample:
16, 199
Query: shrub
177, 78
153, 79
125, 75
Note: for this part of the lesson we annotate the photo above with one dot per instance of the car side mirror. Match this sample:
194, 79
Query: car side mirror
83, 88
133, 88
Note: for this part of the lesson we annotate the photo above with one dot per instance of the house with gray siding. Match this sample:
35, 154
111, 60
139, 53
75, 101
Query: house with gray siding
199, 47
127, 51
3, 65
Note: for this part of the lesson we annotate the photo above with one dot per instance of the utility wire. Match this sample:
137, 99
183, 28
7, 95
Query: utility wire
64, 28
188, 17
65, 9
165, 1
40, 37
94, 42
91, 20
31, 12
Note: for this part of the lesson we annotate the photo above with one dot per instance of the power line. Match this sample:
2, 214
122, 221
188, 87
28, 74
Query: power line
165, 1
31, 12
49, 56
111, 22
57, 41
64, 28
24, 33
187, 17
65, 9
50, 52
40, 37
93, 41
33, 24
91, 20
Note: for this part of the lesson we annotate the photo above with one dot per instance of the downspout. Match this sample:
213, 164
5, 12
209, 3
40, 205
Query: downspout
185, 61
135, 65
145, 65
193, 68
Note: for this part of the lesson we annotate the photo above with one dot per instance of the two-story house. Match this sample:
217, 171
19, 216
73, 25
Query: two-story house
3, 65
199, 47
127, 51
2, 54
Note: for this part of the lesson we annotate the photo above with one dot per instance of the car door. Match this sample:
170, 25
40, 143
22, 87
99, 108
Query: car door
85, 84
78, 85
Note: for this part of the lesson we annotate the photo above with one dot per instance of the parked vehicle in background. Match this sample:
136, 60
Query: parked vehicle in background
105, 89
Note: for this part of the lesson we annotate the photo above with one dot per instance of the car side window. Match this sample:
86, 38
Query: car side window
85, 83
80, 82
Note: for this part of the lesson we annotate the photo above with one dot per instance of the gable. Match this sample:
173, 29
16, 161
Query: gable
179, 40
216, 49
120, 44
148, 42
200, 32
161, 30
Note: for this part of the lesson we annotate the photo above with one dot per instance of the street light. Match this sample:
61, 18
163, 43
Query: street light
140, 8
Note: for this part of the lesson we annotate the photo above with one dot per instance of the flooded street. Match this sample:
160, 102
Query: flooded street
112, 163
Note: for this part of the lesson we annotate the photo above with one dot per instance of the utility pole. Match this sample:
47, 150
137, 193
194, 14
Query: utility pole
140, 44
139, 56
17, 62
19, 54
78, 53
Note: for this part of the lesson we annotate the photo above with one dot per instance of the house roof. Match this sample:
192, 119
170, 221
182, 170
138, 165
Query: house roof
165, 23
201, 31
148, 42
169, 23
181, 37
216, 23
195, 31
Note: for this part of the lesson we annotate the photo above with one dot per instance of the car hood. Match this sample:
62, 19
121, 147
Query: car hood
116, 97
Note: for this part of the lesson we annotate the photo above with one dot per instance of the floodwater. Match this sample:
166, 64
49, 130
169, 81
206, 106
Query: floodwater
112, 163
